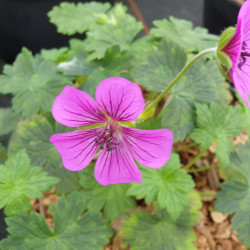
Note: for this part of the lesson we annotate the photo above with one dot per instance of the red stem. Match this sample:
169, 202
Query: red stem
138, 15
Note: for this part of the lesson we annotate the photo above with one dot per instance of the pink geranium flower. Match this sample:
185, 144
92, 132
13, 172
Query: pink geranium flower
117, 101
238, 49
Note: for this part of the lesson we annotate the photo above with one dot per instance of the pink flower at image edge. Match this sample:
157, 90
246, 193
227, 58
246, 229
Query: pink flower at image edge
238, 49
117, 100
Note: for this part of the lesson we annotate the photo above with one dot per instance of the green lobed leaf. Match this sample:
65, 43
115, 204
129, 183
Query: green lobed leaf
71, 18
217, 123
114, 63
169, 185
54, 55
19, 181
78, 66
68, 179
70, 232
150, 124
112, 198
143, 231
202, 83
245, 113
235, 194
161, 66
33, 135
178, 116
8, 120
140, 48
34, 83
120, 29
183, 33
64, 53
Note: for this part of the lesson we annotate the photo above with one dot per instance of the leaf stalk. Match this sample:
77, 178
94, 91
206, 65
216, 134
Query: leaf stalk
178, 77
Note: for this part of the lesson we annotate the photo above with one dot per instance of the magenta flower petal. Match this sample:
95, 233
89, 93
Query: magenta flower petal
121, 99
77, 148
238, 49
116, 166
151, 148
75, 108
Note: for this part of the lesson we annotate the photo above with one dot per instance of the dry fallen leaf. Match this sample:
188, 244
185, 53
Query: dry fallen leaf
218, 217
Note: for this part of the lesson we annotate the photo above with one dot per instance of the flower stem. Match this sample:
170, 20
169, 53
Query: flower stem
195, 159
201, 169
177, 78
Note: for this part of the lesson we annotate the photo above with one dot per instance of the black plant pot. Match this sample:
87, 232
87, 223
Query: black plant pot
219, 14
25, 23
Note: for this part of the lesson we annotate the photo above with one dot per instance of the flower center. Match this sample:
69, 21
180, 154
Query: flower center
107, 140
243, 55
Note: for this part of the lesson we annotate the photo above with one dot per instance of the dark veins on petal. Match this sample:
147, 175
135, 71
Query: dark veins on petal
120, 155
132, 137
120, 113
95, 116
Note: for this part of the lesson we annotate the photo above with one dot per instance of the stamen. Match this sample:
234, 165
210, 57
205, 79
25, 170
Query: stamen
106, 140
243, 55
110, 148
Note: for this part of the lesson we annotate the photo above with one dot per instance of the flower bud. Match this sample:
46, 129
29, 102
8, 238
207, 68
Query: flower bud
223, 60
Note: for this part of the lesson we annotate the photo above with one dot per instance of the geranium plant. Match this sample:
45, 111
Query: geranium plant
110, 136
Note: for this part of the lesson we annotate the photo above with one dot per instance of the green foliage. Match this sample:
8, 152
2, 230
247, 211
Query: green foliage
64, 53
71, 18
33, 135
144, 231
217, 123
182, 32
235, 194
8, 120
19, 181
70, 232
150, 124
78, 66
68, 179
120, 29
202, 83
54, 55
178, 116
34, 83
161, 66
245, 113
114, 63
168, 185
112, 198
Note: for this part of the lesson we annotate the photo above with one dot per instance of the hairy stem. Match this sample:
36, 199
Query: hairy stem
138, 15
201, 169
177, 78
194, 160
